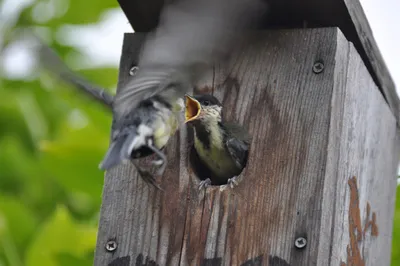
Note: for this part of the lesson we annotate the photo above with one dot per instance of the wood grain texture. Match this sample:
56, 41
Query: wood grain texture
373, 58
348, 15
368, 150
311, 134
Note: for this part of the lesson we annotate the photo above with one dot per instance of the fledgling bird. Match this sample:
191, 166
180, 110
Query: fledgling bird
222, 147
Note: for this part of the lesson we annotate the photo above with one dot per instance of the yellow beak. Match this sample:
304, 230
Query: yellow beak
192, 110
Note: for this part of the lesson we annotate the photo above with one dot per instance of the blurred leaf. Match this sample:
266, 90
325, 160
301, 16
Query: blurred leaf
60, 12
106, 77
74, 156
22, 176
13, 173
60, 235
9, 250
82, 12
12, 121
68, 260
20, 221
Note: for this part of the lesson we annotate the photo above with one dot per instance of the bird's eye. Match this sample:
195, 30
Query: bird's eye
206, 103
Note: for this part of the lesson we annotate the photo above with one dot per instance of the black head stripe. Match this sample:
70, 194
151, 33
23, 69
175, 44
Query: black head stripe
207, 98
161, 100
148, 103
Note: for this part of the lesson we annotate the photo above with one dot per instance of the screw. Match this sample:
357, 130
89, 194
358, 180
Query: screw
318, 67
300, 242
133, 70
111, 246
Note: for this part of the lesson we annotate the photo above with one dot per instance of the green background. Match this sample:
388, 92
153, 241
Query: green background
51, 142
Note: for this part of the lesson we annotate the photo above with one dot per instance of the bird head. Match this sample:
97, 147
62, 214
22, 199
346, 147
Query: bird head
127, 143
119, 150
203, 108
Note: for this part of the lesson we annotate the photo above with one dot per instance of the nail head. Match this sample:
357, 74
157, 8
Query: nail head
133, 70
111, 246
318, 67
300, 242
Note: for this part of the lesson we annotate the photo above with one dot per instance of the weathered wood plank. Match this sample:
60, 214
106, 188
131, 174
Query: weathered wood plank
372, 56
368, 151
287, 112
348, 15
311, 134
363, 143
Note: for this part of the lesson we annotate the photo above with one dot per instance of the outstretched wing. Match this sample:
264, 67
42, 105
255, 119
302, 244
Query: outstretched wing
191, 36
53, 63
147, 83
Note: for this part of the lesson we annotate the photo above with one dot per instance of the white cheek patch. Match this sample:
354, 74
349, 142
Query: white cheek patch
213, 112
217, 111
144, 130
140, 140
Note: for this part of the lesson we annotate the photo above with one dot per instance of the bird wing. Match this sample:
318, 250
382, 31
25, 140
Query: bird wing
190, 37
53, 63
237, 131
237, 143
238, 150
145, 84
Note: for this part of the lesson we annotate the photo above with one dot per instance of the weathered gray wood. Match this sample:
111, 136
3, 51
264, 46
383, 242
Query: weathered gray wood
363, 143
311, 134
372, 57
348, 15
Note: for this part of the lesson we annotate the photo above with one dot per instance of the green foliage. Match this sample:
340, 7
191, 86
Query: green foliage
69, 241
51, 142
396, 232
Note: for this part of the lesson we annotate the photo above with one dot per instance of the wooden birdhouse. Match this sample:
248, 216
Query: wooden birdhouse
319, 187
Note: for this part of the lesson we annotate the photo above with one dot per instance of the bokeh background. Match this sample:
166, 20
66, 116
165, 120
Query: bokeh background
52, 139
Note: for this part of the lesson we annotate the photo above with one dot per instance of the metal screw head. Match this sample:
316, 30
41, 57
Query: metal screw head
111, 246
133, 70
318, 67
300, 242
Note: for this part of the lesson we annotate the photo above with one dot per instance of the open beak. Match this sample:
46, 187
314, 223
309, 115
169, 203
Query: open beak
192, 110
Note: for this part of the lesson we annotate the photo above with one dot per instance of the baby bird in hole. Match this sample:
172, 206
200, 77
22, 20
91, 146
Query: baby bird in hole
220, 148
